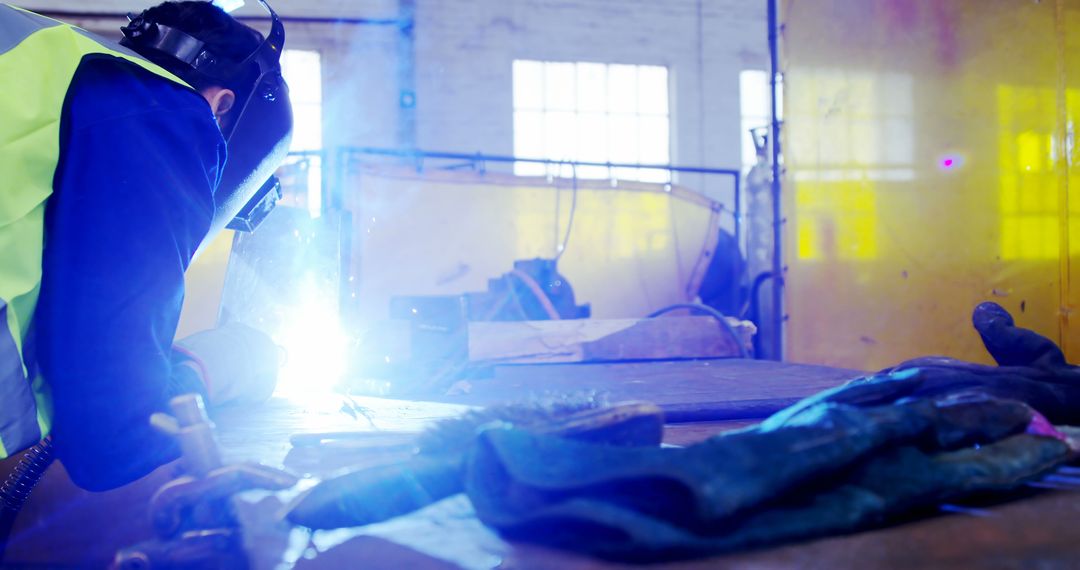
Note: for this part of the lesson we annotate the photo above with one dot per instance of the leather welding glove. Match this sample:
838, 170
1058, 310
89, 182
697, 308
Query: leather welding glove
1032, 370
237, 363
837, 469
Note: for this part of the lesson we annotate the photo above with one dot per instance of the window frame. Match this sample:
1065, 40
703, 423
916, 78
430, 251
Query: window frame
557, 122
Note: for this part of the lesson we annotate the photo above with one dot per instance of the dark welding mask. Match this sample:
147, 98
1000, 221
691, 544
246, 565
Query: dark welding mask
259, 132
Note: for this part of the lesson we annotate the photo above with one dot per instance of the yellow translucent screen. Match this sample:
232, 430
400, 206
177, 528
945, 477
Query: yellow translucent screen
930, 164
632, 248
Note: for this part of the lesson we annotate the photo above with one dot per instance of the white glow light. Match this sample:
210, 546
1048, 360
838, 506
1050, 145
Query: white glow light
315, 346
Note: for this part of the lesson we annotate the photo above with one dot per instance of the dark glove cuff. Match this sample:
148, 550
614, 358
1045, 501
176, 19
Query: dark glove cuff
184, 379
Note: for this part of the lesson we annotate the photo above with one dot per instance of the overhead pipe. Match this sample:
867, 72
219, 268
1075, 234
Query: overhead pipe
397, 22
479, 157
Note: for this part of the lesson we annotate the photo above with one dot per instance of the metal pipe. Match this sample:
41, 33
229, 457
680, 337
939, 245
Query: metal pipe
420, 154
774, 139
406, 74
398, 22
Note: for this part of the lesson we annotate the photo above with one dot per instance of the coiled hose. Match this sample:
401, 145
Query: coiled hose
18, 485
720, 319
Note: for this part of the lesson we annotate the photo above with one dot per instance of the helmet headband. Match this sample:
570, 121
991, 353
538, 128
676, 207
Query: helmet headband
259, 128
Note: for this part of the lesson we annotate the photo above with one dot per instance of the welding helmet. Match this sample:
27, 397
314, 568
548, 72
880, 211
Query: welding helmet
259, 132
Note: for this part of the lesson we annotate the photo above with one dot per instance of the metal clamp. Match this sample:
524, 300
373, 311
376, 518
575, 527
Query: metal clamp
193, 514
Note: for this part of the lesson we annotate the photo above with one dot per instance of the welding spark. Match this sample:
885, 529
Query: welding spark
315, 346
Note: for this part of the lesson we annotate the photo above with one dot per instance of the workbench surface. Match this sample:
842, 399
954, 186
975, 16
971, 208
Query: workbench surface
1040, 531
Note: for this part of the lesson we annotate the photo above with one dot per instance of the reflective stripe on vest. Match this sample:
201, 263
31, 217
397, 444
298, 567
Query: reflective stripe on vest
38, 60
17, 25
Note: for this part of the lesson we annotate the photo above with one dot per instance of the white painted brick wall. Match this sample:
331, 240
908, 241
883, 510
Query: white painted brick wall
359, 62
464, 50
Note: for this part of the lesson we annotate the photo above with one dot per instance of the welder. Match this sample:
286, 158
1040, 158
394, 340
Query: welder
117, 162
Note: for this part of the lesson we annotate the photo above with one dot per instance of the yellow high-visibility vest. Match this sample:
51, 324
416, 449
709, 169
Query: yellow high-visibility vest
38, 60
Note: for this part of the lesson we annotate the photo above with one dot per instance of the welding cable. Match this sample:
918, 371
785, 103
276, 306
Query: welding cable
752, 305
753, 311
524, 316
720, 318
19, 484
537, 292
573, 210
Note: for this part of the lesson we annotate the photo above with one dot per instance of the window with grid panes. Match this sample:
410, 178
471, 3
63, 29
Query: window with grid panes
592, 112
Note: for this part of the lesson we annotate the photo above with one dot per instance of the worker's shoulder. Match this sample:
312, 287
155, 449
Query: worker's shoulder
108, 89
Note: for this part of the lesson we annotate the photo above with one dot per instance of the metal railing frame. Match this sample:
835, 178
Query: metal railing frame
332, 189
336, 162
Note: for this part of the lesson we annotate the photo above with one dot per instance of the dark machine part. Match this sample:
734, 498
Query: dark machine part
439, 331
18, 485
258, 138
724, 286
533, 291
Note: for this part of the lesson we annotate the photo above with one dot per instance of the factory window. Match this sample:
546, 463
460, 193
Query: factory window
855, 126
1029, 197
592, 112
302, 70
856, 135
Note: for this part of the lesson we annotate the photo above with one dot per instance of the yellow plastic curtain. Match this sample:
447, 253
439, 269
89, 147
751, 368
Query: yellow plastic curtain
930, 164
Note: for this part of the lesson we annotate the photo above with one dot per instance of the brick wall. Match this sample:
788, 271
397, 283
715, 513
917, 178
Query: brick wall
464, 50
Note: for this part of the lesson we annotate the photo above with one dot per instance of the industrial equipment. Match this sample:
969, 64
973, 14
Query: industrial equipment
193, 514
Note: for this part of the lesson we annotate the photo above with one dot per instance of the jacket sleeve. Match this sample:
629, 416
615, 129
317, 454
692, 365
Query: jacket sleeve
133, 199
